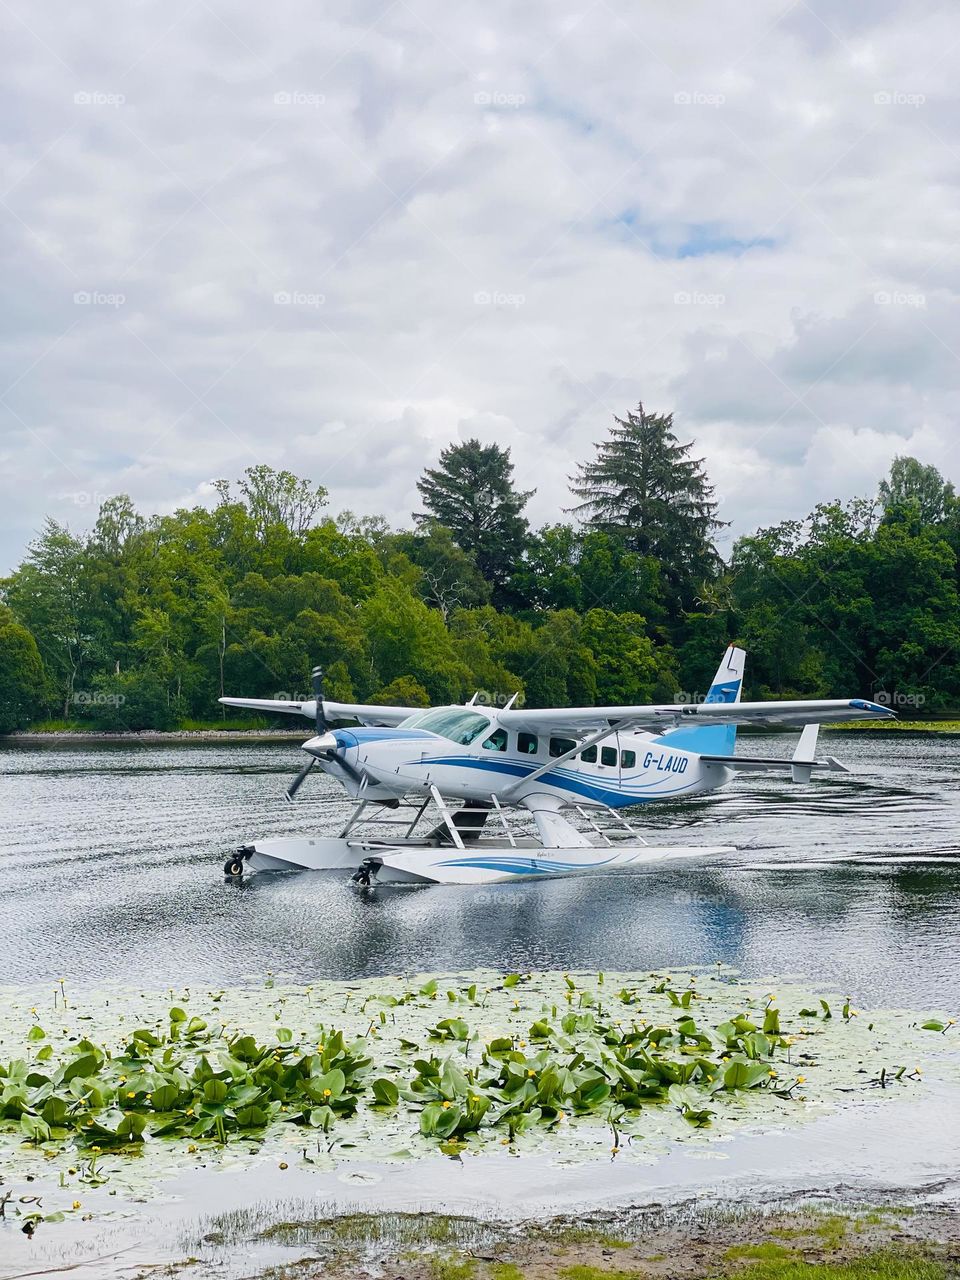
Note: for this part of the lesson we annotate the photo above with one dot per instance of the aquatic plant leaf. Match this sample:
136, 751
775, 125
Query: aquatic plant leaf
745, 1075
36, 1129
251, 1117
85, 1065
386, 1092
215, 1090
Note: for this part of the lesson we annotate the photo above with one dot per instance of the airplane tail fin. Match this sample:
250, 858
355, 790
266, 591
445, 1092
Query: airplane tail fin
727, 687
728, 682
715, 739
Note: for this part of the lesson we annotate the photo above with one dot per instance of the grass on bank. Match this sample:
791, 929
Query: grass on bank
230, 724
870, 1244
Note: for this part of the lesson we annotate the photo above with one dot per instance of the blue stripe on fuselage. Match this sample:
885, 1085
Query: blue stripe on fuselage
561, 779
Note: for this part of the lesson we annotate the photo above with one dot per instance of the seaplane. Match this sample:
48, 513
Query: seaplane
504, 794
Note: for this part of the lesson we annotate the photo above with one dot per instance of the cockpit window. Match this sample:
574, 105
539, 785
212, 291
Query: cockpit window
455, 723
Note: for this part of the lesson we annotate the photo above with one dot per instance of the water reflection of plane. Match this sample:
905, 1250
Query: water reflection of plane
465, 773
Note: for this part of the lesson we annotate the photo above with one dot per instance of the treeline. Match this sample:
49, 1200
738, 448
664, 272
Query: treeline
143, 622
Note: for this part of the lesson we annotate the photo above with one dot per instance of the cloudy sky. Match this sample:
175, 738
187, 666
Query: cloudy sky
335, 237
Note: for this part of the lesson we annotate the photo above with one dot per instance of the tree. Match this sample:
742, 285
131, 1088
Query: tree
50, 594
21, 674
449, 577
644, 489
472, 494
277, 498
912, 481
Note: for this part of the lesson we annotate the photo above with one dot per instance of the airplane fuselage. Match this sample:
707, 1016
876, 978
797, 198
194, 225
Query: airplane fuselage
626, 768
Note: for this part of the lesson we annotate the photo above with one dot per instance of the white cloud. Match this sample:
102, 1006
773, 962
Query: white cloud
510, 224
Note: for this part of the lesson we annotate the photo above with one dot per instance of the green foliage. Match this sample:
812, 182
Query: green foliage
143, 623
22, 682
182, 1079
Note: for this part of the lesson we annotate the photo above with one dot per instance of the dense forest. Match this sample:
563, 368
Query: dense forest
143, 622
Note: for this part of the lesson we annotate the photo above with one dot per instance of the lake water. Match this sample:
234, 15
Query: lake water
111, 857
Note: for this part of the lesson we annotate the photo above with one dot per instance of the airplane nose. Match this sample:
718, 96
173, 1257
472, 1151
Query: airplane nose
321, 744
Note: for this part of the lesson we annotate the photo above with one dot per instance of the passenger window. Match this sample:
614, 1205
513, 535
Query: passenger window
608, 755
496, 742
628, 759
527, 744
590, 755
560, 746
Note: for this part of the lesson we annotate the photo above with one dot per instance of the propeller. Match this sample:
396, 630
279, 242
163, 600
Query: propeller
299, 780
316, 679
331, 753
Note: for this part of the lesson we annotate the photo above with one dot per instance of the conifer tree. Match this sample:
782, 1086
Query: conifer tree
644, 488
472, 494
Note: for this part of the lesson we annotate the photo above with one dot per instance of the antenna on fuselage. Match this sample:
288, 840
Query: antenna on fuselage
473, 700
513, 698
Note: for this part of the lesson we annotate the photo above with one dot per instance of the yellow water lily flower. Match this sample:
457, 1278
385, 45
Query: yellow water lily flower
445, 1105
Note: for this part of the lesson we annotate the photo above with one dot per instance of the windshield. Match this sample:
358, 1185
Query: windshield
455, 723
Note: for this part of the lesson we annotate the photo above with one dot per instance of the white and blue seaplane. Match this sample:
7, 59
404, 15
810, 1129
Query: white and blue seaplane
468, 772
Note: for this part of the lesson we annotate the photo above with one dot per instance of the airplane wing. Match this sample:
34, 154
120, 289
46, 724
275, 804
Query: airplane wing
576, 722
365, 712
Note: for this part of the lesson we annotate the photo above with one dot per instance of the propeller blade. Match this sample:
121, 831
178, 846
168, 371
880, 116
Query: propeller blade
299, 780
358, 776
316, 679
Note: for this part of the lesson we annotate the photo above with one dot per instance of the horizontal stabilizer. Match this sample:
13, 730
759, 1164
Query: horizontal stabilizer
774, 764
